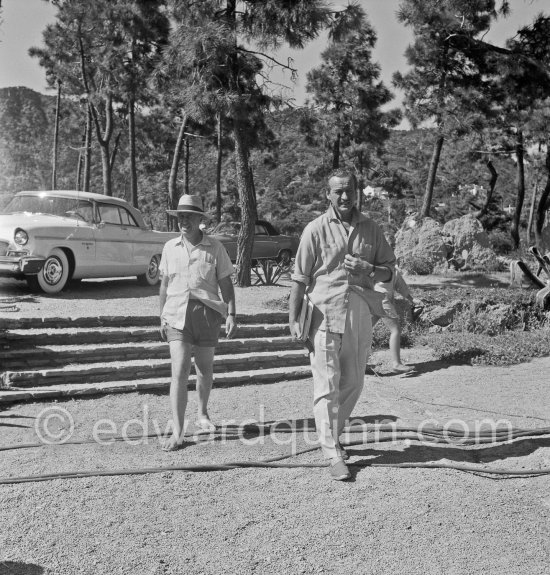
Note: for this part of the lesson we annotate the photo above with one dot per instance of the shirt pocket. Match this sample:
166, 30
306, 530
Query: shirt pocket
332, 256
207, 267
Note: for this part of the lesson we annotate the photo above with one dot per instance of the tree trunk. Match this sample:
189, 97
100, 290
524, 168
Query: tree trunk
104, 140
360, 182
80, 163
520, 187
219, 172
245, 240
492, 184
106, 169
336, 152
532, 212
186, 168
88, 150
56, 136
104, 137
430, 184
173, 195
132, 143
542, 206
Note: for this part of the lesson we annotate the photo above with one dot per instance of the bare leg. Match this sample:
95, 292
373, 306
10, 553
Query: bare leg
204, 366
395, 339
180, 355
395, 344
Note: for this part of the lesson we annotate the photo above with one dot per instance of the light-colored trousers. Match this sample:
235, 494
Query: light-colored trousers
338, 366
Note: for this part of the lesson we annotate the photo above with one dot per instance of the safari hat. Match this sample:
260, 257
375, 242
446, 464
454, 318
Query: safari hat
188, 204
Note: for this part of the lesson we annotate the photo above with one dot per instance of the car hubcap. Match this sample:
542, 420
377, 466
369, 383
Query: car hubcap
153, 268
53, 271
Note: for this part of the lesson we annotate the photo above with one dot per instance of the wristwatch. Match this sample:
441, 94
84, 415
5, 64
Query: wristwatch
373, 271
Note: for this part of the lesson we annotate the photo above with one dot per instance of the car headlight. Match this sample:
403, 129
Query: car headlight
20, 237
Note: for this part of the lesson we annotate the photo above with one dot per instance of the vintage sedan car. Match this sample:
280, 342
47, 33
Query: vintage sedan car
49, 238
268, 242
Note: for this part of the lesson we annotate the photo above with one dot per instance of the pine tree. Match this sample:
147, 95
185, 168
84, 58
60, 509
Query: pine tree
226, 45
348, 98
443, 86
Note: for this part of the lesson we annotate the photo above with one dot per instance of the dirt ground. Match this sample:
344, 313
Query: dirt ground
387, 519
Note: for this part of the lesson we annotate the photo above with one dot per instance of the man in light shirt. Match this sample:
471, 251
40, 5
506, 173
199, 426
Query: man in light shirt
342, 254
195, 270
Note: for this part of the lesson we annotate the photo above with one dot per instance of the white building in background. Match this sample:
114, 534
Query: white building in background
472, 189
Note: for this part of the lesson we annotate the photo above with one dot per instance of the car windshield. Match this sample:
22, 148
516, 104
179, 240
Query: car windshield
52, 205
228, 228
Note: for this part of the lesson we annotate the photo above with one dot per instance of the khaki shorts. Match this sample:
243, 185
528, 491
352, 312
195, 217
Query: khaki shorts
202, 326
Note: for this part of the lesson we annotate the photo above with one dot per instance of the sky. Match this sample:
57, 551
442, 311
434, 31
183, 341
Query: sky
23, 22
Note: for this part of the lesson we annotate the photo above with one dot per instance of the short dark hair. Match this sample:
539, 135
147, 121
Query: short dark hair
343, 173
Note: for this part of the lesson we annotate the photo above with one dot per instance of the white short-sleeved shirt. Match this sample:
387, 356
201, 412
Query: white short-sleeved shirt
193, 272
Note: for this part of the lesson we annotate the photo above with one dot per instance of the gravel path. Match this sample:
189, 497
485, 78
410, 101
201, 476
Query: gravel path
279, 520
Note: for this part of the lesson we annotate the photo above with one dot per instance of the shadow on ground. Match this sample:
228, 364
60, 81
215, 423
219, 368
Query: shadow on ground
421, 453
459, 281
12, 291
16, 568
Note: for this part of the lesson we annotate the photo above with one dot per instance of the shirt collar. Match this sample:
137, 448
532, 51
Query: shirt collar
356, 217
204, 242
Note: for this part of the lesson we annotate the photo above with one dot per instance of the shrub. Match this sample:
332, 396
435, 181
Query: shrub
500, 241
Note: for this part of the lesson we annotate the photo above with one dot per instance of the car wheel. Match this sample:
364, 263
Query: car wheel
152, 276
53, 277
284, 257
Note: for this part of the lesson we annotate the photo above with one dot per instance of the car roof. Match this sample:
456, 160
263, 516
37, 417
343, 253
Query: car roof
75, 194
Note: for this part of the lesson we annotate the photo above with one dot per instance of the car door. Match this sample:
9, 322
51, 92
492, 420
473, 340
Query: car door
142, 249
82, 238
114, 247
263, 243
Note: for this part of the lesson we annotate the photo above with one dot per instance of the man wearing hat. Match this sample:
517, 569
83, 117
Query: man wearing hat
195, 270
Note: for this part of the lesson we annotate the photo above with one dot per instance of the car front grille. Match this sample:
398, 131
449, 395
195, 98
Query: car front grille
4, 248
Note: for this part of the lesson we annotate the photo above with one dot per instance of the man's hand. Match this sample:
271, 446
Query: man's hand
355, 265
295, 329
162, 331
230, 326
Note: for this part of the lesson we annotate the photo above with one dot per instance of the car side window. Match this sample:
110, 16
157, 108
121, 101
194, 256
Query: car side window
260, 230
85, 211
127, 218
109, 214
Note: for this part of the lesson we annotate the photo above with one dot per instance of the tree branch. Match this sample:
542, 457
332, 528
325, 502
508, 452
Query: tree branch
464, 43
286, 66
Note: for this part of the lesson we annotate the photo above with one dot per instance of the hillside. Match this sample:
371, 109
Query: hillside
289, 174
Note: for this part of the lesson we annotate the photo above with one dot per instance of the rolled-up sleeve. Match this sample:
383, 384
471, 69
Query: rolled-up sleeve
224, 267
305, 257
163, 266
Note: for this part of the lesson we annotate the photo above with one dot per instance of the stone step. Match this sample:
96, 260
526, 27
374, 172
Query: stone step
120, 321
46, 356
234, 378
147, 368
20, 338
